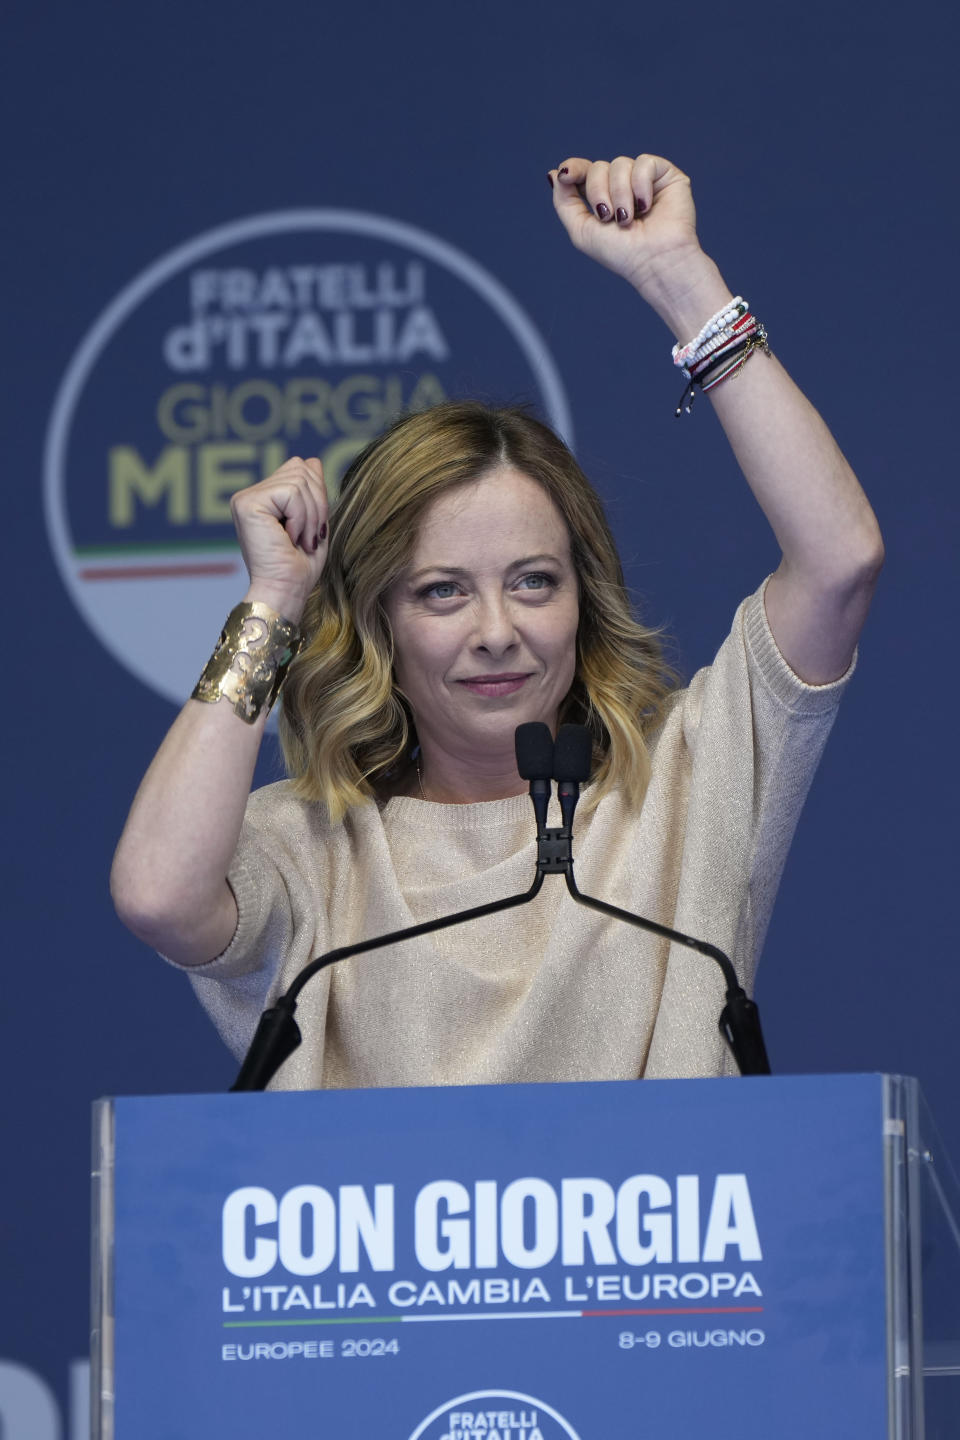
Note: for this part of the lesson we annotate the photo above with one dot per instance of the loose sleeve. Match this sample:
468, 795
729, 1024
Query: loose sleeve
740, 751
277, 878
792, 721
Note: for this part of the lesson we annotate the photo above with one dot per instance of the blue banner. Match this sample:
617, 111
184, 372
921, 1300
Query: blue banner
684, 1258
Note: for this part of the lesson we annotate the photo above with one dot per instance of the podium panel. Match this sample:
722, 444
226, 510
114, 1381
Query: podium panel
666, 1258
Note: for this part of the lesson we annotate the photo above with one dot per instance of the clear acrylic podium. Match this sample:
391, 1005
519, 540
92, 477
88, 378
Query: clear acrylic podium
734, 1258
923, 1269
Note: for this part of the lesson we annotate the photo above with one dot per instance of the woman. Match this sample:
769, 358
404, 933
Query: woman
468, 555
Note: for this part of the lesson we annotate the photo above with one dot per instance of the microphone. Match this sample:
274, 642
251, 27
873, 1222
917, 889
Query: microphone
572, 758
536, 762
533, 744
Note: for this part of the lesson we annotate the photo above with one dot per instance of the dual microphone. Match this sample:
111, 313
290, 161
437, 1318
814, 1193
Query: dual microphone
541, 760
566, 759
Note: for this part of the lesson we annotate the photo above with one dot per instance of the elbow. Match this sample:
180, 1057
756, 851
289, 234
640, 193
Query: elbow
136, 908
850, 543
851, 566
868, 563
188, 925
853, 586
872, 552
868, 549
145, 902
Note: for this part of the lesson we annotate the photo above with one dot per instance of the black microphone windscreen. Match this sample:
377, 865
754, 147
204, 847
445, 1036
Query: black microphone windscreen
534, 746
572, 754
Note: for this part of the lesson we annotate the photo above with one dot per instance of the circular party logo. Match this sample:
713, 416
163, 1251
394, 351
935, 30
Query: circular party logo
494, 1415
301, 332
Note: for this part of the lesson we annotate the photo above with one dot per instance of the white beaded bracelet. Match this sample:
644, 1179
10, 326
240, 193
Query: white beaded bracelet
719, 324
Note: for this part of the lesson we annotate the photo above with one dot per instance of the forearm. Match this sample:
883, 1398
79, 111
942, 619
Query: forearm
636, 216
169, 873
827, 532
815, 506
817, 510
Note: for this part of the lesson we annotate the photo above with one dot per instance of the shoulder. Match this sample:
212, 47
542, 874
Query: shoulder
278, 810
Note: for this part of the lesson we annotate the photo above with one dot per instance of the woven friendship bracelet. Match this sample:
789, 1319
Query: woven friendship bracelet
250, 662
731, 365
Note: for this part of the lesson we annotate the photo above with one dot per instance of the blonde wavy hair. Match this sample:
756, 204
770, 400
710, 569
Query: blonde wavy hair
344, 726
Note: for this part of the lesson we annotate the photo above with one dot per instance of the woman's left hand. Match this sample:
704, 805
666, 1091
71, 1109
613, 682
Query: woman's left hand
635, 216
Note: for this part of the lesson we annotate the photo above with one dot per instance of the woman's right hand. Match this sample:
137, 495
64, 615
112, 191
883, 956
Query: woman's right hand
282, 527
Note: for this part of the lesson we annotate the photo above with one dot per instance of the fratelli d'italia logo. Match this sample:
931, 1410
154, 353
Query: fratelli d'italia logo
494, 1415
296, 332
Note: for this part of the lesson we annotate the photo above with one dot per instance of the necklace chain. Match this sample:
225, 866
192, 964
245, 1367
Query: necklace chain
420, 779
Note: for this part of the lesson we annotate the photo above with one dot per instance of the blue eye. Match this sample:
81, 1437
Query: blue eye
537, 580
441, 590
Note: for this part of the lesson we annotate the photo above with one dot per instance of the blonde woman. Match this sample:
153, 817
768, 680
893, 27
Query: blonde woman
466, 583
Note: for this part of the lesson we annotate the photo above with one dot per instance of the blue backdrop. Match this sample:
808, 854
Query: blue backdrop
820, 143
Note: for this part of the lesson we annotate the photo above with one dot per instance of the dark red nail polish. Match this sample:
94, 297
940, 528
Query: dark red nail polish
322, 532
550, 178
564, 170
603, 211
622, 214
641, 207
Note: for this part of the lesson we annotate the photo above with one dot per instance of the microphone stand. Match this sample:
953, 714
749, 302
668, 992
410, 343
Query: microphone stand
739, 1019
278, 1034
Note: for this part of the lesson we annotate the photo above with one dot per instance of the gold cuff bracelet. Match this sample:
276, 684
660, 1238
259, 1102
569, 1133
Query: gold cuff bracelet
250, 662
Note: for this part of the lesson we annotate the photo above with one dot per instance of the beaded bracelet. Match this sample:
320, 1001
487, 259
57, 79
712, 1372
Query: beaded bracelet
726, 337
721, 323
722, 366
722, 348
